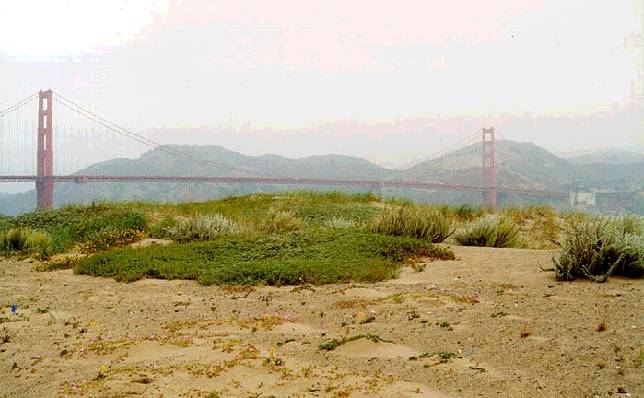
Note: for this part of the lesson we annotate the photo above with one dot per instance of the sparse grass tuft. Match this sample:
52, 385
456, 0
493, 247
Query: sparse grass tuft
203, 228
466, 212
598, 248
490, 232
280, 221
414, 221
331, 345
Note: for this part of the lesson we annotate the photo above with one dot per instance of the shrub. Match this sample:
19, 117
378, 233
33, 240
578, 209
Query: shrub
277, 221
202, 228
339, 222
110, 238
413, 221
490, 232
598, 248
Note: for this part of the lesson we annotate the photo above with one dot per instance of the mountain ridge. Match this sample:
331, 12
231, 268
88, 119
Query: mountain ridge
520, 166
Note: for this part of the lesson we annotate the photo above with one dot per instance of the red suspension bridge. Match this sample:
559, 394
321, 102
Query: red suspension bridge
23, 138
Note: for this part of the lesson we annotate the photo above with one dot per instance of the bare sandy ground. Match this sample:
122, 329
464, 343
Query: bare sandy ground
488, 324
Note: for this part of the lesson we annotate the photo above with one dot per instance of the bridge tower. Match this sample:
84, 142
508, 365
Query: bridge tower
488, 169
45, 156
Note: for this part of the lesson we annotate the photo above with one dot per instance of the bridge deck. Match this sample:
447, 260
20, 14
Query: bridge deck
277, 181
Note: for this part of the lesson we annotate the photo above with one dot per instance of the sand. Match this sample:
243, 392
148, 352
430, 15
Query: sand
489, 324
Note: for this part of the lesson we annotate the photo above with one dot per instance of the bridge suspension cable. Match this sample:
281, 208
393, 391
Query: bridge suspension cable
142, 139
18, 105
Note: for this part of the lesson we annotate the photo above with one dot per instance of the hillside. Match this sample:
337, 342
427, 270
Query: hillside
520, 165
158, 162
613, 156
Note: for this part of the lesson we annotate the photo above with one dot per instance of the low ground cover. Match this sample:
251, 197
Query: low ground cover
306, 237
323, 256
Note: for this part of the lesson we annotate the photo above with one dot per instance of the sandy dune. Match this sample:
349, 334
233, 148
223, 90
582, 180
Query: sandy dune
489, 324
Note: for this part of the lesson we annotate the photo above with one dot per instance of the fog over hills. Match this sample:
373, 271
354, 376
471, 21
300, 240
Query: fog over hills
520, 165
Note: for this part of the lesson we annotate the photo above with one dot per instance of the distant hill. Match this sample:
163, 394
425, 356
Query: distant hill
520, 165
614, 155
159, 162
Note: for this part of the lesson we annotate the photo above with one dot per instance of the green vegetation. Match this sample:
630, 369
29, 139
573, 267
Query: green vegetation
299, 238
331, 345
110, 238
25, 241
339, 222
632, 225
467, 212
56, 231
419, 222
490, 231
322, 256
443, 356
281, 221
202, 228
600, 247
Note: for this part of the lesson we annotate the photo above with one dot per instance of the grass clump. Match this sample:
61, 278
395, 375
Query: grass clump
203, 228
598, 248
414, 221
280, 221
466, 212
632, 225
26, 241
161, 228
490, 232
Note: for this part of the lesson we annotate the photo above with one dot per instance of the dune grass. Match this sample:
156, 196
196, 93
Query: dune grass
26, 241
202, 228
491, 231
420, 222
288, 238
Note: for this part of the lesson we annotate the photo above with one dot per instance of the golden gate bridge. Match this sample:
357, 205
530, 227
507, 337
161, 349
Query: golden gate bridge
25, 137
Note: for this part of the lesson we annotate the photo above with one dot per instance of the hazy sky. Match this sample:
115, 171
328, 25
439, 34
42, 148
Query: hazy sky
296, 64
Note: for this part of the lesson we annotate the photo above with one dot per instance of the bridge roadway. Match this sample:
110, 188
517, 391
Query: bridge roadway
277, 181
